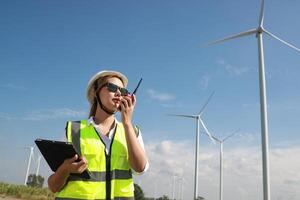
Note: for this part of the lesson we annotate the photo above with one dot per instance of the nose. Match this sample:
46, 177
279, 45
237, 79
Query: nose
118, 92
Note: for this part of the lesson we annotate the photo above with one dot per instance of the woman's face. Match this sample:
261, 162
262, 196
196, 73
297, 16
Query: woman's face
109, 99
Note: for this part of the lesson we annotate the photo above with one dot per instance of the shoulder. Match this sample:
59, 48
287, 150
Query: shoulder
136, 128
74, 126
70, 124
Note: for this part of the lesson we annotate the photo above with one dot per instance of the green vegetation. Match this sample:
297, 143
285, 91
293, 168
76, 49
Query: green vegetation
38, 193
164, 197
25, 192
35, 181
138, 193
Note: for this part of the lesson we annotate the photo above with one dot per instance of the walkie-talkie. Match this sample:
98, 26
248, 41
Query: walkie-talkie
137, 87
134, 91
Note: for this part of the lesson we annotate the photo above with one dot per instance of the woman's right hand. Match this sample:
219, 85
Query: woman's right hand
72, 165
75, 165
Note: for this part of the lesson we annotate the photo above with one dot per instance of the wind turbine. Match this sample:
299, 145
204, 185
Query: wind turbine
262, 86
181, 181
29, 162
221, 141
198, 121
38, 165
173, 186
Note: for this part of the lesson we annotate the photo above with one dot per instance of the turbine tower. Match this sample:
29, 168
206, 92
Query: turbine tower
221, 141
258, 32
181, 183
173, 186
38, 165
28, 165
198, 121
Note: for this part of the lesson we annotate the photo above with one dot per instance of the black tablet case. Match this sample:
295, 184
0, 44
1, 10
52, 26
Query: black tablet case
55, 152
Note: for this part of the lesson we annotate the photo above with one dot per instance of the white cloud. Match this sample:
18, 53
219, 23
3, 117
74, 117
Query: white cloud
242, 171
204, 81
247, 137
233, 70
11, 86
160, 96
5, 116
58, 113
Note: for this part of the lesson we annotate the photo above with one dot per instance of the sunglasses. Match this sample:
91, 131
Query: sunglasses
114, 88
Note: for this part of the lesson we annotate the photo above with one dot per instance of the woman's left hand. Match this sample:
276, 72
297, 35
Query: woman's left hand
127, 107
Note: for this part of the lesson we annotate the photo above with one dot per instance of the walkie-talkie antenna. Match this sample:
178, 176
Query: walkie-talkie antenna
138, 85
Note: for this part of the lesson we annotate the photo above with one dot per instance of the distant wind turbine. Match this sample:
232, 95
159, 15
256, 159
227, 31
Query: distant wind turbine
221, 141
258, 32
181, 183
173, 184
38, 165
29, 162
198, 121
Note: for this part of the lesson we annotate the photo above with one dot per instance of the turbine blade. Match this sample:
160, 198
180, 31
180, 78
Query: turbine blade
207, 101
232, 134
206, 131
215, 138
245, 33
261, 14
186, 116
281, 40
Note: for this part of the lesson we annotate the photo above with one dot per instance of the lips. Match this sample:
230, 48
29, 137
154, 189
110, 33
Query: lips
116, 100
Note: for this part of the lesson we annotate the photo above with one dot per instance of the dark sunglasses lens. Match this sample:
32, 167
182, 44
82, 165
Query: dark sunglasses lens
124, 91
112, 87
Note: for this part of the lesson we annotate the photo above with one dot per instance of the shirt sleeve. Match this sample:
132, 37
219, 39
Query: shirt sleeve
140, 139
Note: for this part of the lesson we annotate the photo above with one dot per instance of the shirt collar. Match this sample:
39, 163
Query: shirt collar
91, 121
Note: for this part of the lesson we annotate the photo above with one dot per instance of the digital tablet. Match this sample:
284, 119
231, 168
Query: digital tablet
55, 152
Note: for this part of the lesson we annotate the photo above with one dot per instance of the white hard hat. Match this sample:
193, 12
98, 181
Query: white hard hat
90, 86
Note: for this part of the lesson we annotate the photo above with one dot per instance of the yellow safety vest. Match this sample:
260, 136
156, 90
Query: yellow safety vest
111, 176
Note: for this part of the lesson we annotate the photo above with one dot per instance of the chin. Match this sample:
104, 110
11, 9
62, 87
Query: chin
116, 106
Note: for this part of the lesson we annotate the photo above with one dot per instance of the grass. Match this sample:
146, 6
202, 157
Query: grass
25, 192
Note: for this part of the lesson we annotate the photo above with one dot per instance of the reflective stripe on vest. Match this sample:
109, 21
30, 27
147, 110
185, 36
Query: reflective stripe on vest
116, 198
111, 176
101, 176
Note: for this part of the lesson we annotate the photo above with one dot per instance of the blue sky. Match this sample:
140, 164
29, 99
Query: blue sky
50, 49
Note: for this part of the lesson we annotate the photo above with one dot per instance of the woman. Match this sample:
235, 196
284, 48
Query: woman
109, 149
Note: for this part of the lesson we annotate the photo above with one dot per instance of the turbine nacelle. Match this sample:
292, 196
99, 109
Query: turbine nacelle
255, 31
198, 117
221, 140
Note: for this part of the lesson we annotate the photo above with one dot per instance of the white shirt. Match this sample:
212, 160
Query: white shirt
108, 139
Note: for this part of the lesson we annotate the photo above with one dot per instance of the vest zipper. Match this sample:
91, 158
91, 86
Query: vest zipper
108, 176
108, 167
108, 164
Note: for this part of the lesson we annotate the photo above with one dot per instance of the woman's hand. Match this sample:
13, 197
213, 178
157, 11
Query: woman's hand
57, 180
127, 107
71, 165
